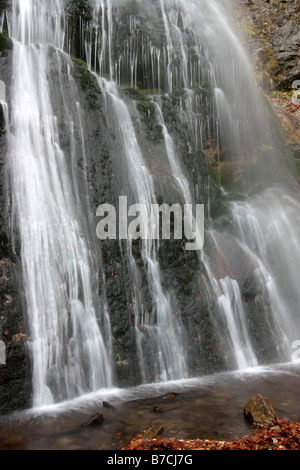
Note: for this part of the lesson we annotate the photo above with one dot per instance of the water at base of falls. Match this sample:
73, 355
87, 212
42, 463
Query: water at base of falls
177, 101
205, 408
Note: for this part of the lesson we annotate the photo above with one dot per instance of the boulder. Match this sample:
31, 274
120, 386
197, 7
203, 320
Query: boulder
260, 411
95, 420
153, 433
171, 395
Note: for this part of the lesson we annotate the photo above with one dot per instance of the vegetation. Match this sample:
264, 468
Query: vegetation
6, 44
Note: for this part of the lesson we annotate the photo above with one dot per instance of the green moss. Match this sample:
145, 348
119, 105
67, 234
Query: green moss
219, 207
136, 94
204, 89
81, 63
147, 111
86, 79
87, 83
151, 91
221, 210
145, 107
6, 44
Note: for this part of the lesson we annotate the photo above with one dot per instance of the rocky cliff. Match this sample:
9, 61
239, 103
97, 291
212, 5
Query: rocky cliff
15, 375
270, 29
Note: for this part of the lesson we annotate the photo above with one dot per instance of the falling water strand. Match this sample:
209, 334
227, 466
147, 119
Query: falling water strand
270, 229
165, 334
183, 70
227, 291
68, 349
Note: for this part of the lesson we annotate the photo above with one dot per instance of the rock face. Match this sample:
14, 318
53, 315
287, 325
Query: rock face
270, 29
260, 411
15, 375
271, 32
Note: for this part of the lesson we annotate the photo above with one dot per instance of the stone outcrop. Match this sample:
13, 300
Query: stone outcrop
270, 29
271, 32
260, 411
153, 433
15, 375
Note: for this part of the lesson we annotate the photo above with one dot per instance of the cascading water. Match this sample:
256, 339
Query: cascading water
68, 350
3, 105
178, 93
237, 121
269, 228
165, 349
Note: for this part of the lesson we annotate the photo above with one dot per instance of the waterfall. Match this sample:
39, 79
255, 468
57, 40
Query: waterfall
3, 105
68, 350
182, 123
165, 349
269, 228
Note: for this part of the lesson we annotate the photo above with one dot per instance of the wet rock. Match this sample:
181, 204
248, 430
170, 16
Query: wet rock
107, 405
15, 376
153, 433
5, 44
171, 395
95, 420
157, 409
260, 411
271, 31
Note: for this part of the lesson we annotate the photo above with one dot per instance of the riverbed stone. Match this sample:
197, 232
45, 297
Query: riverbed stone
260, 411
153, 432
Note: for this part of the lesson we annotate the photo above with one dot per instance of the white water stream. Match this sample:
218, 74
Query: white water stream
67, 346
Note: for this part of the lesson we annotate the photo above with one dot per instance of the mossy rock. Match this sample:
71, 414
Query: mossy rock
88, 84
220, 208
6, 44
86, 79
204, 89
135, 94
